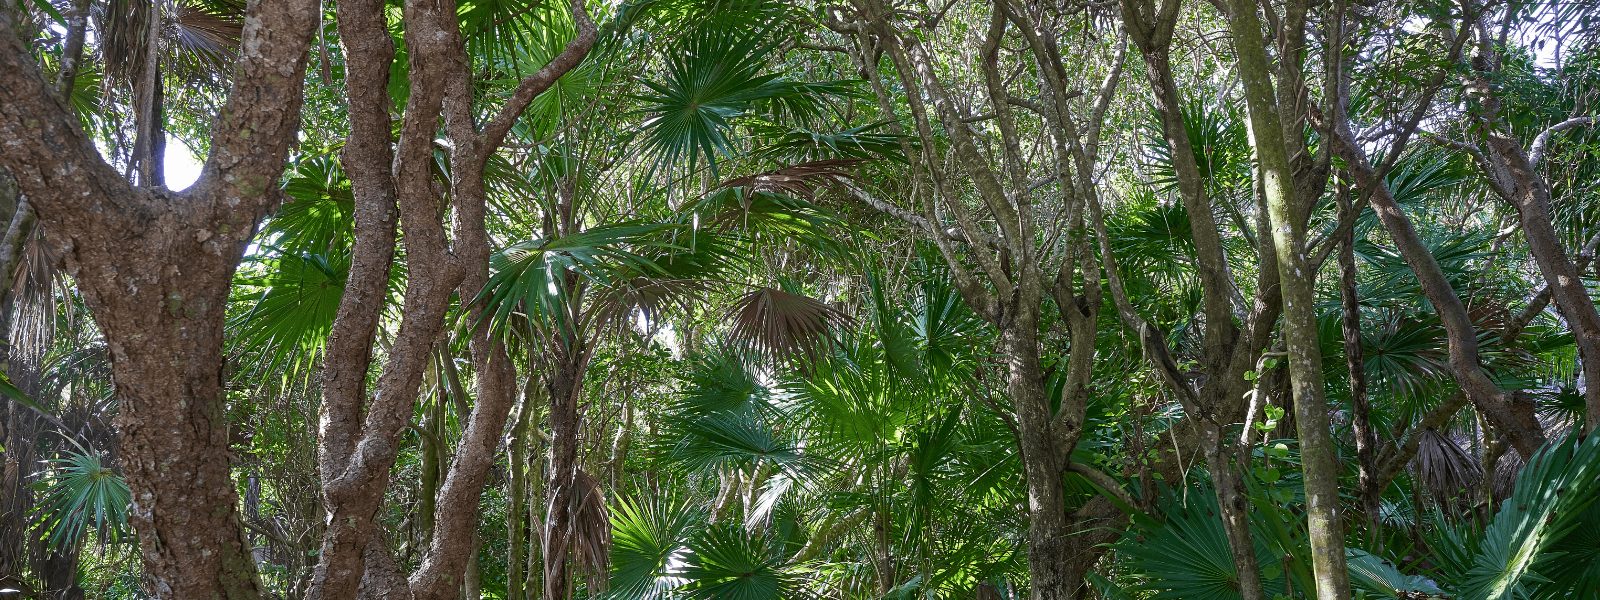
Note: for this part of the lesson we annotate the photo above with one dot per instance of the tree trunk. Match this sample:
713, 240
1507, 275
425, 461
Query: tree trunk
1299, 310
1515, 419
1355, 365
1223, 356
155, 270
1043, 463
566, 390
1233, 506
1529, 192
517, 497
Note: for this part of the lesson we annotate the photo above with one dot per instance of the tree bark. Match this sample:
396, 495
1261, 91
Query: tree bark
1515, 419
357, 451
1285, 212
565, 388
155, 269
1355, 366
1050, 531
1523, 186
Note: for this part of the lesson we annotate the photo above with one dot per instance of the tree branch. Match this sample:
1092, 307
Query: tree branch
1542, 142
494, 133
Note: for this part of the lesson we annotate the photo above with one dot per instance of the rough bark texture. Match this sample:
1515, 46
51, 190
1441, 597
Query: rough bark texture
155, 267
1354, 362
361, 435
564, 387
1285, 210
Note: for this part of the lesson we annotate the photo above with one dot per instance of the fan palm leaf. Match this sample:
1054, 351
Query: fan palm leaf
84, 493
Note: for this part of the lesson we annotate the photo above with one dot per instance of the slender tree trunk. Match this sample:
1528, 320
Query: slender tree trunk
1299, 310
1355, 365
1234, 508
566, 390
149, 141
517, 498
1151, 30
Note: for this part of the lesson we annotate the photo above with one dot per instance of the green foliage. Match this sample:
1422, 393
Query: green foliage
1521, 553
83, 494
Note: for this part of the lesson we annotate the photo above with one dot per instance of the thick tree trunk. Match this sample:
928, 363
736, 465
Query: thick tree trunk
173, 427
1050, 530
155, 269
1299, 310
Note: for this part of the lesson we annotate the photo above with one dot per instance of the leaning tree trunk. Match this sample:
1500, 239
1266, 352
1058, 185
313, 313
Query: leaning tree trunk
1530, 194
155, 269
1299, 305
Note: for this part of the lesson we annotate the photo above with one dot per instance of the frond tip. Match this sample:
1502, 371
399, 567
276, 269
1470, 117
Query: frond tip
782, 325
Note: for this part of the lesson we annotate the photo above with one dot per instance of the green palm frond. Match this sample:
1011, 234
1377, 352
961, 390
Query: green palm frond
707, 443
714, 77
512, 39
1376, 577
789, 144
724, 417
1576, 569
767, 215
537, 276
649, 541
728, 563
287, 324
319, 217
1185, 555
83, 493
1220, 142
1513, 557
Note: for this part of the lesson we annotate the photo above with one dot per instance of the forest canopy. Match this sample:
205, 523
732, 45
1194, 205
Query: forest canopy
773, 300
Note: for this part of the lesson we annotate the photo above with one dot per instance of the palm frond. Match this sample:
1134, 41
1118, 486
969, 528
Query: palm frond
1511, 558
727, 563
649, 543
83, 494
782, 325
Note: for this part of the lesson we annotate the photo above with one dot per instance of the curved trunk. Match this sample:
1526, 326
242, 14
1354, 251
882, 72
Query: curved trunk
1515, 420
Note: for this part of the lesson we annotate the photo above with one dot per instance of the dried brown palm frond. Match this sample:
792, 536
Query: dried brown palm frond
782, 326
198, 33
651, 296
591, 523
1505, 475
208, 33
1446, 468
800, 180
